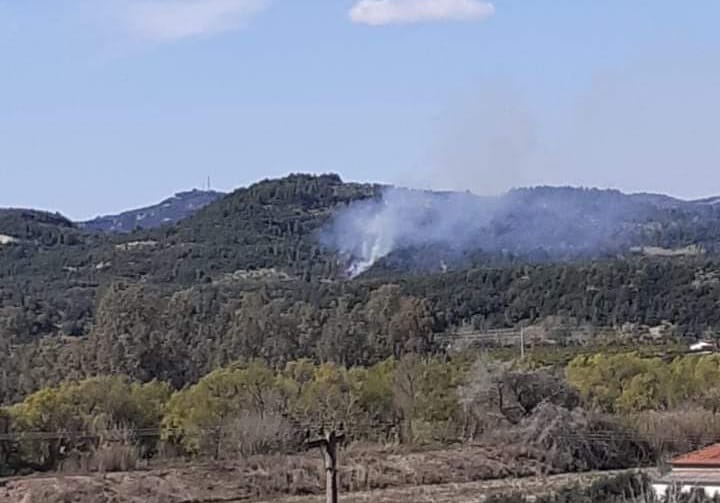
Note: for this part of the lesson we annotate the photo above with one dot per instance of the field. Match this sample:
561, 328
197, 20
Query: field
469, 492
368, 475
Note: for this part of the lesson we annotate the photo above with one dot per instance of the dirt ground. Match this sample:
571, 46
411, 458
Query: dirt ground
468, 492
367, 475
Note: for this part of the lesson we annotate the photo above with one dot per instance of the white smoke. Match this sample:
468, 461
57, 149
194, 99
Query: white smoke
561, 223
369, 230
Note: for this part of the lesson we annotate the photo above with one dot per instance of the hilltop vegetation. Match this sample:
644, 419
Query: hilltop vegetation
38, 227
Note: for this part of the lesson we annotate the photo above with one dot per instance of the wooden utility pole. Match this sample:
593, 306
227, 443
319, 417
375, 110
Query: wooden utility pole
328, 442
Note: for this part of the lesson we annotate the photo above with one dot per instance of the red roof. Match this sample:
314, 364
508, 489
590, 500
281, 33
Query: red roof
707, 457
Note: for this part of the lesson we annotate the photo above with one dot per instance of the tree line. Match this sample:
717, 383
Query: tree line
178, 333
629, 383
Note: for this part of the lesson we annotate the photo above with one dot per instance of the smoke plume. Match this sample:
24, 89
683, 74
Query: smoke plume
561, 222
369, 230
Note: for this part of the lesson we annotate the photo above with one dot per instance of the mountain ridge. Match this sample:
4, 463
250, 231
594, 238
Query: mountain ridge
266, 216
185, 204
168, 211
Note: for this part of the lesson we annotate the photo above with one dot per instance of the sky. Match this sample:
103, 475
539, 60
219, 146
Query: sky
112, 104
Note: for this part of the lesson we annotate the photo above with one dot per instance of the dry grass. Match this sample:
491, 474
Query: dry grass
266, 477
250, 434
116, 451
679, 431
469, 492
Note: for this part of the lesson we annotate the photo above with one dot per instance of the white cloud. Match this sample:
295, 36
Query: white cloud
382, 12
169, 20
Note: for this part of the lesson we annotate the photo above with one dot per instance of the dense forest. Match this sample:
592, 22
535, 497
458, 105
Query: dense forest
248, 276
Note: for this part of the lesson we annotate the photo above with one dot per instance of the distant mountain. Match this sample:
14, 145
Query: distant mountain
169, 211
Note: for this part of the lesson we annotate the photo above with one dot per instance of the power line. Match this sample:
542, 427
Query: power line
365, 428
294, 428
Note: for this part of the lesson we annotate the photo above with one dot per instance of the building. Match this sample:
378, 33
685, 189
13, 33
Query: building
696, 470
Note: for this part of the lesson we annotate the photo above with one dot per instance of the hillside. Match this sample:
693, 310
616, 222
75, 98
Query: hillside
263, 272
414, 231
171, 210
32, 225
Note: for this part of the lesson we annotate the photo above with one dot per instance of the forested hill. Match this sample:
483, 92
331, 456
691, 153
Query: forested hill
274, 223
280, 223
249, 276
34, 225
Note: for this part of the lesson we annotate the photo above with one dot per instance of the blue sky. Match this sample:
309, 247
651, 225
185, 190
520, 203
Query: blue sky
111, 104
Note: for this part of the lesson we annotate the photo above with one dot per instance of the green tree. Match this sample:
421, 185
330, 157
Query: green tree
201, 416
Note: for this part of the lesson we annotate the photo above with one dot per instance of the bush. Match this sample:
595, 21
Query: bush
578, 440
249, 434
624, 488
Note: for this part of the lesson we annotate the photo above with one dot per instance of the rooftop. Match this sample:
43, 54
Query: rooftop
708, 457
